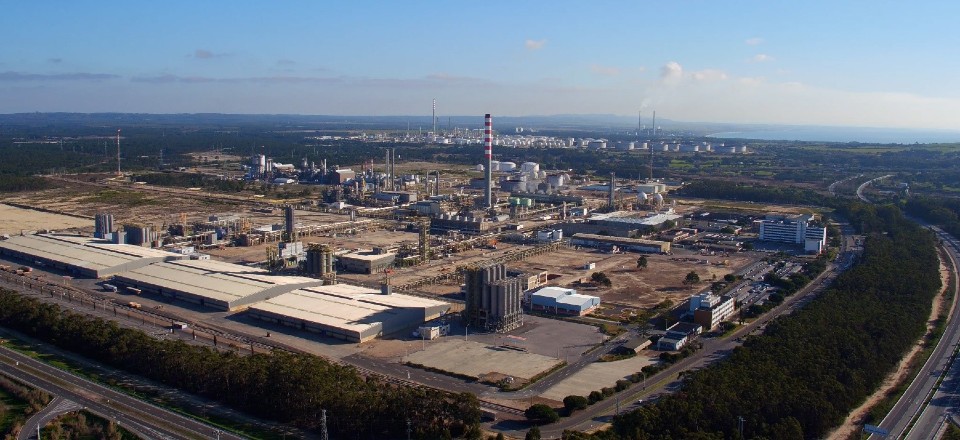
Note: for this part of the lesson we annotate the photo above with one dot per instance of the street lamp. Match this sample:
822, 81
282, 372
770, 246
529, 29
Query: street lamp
466, 331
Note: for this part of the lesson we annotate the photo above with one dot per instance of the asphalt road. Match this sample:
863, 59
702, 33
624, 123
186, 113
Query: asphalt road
145, 420
912, 402
55, 408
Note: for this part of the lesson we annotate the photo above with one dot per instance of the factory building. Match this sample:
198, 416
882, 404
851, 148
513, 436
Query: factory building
375, 260
623, 243
471, 225
561, 301
209, 283
352, 313
709, 310
620, 224
492, 299
82, 256
794, 229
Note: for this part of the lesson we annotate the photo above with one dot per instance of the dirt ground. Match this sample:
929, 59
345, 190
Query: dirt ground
13, 220
661, 279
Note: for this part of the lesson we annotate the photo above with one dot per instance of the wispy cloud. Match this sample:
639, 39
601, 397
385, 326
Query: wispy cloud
761, 58
78, 76
534, 44
55, 60
203, 54
708, 75
170, 79
753, 41
605, 70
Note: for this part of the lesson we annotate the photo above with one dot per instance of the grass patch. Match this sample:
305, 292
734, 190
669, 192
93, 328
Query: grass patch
14, 410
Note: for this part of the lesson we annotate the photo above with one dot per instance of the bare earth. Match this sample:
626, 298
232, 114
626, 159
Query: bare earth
13, 220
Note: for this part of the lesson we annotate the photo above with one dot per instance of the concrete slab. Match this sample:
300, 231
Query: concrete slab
596, 376
475, 359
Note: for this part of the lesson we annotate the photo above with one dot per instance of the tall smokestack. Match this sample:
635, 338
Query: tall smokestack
613, 188
118, 152
434, 118
654, 124
436, 189
393, 169
386, 169
488, 153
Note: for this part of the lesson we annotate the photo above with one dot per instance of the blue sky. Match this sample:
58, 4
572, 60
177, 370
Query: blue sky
864, 63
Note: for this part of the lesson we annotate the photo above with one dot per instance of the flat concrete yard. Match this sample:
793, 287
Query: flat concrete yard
13, 220
597, 375
476, 359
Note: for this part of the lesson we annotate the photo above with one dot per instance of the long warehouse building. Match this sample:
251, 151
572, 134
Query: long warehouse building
82, 256
351, 313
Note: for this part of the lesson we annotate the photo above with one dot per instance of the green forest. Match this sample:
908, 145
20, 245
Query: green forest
281, 386
811, 368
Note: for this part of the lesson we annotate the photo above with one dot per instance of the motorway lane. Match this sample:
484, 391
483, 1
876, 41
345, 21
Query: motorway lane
143, 418
911, 403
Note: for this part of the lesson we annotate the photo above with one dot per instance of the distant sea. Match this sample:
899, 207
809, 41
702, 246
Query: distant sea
846, 134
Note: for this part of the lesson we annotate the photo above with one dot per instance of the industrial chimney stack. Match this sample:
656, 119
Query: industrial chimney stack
488, 153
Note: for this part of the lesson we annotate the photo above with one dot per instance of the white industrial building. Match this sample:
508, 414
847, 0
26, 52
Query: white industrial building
209, 283
794, 229
561, 301
352, 313
82, 256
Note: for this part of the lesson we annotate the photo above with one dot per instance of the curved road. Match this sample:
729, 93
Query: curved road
148, 421
866, 184
57, 407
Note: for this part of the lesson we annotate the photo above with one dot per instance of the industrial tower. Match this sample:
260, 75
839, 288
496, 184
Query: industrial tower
488, 153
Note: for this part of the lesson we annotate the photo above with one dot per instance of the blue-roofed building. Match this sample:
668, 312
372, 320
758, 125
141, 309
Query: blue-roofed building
561, 301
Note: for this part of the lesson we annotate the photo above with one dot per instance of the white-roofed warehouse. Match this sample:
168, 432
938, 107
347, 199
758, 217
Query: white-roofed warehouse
562, 301
343, 311
211, 283
353, 313
83, 256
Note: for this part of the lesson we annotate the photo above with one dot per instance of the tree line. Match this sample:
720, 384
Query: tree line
729, 190
285, 387
809, 369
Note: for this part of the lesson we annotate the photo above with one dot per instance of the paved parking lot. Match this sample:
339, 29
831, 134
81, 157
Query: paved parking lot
476, 359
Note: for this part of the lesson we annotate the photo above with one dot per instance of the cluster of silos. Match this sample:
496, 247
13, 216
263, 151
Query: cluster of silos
103, 225
492, 300
319, 260
139, 235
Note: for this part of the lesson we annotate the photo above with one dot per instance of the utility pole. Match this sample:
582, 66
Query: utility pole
408, 429
740, 425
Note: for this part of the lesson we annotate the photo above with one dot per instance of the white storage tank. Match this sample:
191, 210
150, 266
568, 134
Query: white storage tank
530, 167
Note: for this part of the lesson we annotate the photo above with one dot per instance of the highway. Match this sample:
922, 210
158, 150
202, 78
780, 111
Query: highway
146, 420
864, 185
912, 404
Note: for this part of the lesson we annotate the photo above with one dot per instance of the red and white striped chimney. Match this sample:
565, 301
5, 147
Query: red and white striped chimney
488, 153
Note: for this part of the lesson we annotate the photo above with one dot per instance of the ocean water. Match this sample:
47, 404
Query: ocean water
846, 134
